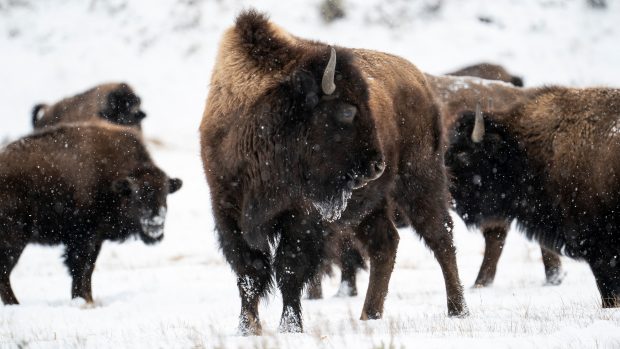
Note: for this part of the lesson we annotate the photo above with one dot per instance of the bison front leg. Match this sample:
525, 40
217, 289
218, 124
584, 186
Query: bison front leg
381, 239
553, 267
494, 239
251, 263
9, 255
80, 259
297, 262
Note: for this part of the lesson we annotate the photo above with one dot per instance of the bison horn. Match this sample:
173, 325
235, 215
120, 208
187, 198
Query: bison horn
328, 84
478, 133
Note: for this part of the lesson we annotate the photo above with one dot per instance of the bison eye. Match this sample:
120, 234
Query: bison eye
347, 114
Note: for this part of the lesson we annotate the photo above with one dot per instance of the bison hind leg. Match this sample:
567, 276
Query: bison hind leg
553, 267
494, 239
605, 265
9, 255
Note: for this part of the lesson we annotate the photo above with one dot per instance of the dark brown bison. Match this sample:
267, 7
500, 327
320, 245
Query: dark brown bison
301, 140
78, 186
489, 71
553, 163
457, 94
114, 102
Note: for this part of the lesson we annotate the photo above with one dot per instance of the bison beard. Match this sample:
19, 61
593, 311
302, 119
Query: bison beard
550, 163
301, 141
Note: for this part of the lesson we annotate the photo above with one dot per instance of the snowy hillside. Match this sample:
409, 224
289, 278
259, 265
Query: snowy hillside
181, 293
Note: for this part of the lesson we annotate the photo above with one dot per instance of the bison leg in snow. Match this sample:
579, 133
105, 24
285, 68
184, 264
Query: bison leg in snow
553, 267
605, 266
315, 287
351, 262
9, 255
437, 233
381, 238
296, 263
494, 239
252, 267
80, 259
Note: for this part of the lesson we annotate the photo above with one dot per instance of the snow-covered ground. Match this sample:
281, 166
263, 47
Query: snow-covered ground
181, 293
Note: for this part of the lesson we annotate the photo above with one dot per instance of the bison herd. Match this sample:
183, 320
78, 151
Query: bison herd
314, 156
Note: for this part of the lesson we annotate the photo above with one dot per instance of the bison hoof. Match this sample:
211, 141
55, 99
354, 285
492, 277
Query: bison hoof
371, 316
249, 327
290, 321
555, 277
481, 285
611, 302
346, 290
459, 312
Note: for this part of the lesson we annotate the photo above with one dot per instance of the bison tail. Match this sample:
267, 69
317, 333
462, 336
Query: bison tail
37, 113
263, 42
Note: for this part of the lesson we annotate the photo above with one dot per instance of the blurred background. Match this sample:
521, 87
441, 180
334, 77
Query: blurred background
51, 49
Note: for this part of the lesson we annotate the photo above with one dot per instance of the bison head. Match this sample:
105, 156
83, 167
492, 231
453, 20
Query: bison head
487, 168
141, 202
328, 131
122, 106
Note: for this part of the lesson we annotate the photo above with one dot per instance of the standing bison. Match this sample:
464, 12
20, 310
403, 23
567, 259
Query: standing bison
301, 140
78, 186
455, 95
553, 163
113, 102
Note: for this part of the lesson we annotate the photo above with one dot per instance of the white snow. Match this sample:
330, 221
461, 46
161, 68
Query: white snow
181, 293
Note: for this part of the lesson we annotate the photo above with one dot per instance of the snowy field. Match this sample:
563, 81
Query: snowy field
181, 293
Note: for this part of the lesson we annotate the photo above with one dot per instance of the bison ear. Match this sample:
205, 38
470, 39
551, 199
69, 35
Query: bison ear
174, 185
124, 186
305, 86
37, 113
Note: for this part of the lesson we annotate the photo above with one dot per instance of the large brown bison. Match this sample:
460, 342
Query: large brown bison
553, 163
78, 186
113, 102
489, 71
301, 140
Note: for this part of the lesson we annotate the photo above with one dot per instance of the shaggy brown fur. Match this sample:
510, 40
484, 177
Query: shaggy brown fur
78, 185
283, 161
489, 71
553, 163
114, 102
455, 95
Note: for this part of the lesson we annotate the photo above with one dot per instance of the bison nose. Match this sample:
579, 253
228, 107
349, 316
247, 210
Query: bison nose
375, 170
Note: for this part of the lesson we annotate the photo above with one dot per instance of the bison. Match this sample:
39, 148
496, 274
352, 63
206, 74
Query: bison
489, 71
553, 163
78, 185
114, 102
301, 140
457, 94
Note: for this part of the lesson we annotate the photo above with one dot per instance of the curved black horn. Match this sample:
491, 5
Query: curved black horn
328, 84
478, 132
